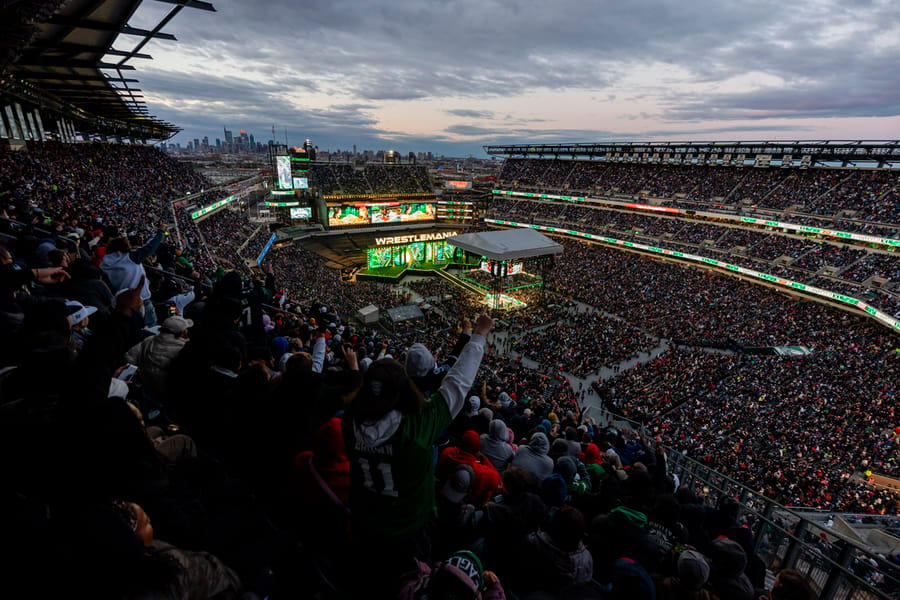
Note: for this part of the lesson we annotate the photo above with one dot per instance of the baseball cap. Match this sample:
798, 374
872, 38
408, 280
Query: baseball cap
458, 484
177, 324
78, 312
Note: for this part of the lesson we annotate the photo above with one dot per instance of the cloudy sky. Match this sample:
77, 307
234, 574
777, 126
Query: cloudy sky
452, 76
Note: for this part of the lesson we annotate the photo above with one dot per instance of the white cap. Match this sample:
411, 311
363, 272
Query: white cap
177, 324
79, 312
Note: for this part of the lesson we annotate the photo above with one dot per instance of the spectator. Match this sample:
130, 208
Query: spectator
534, 457
496, 446
123, 266
389, 431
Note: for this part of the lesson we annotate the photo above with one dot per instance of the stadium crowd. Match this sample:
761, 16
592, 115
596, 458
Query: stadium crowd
858, 199
271, 442
795, 257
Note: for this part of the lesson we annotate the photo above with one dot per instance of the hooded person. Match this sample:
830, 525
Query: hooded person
593, 462
556, 558
727, 562
495, 445
534, 457
390, 430
423, 369
577, 482
693, 570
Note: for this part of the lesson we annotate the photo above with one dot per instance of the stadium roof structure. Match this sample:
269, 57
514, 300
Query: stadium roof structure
506, 244
801, 153
58, 56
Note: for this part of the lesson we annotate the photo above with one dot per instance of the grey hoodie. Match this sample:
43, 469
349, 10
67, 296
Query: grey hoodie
533, 457
496, 446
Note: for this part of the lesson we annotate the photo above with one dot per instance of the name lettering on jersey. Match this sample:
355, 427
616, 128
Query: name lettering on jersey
385, 450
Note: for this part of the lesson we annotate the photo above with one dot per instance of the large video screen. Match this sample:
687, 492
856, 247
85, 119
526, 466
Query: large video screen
458, 185
304, 212
419, 211
385, 214
301, 183
283, 169
348, 215
378, 214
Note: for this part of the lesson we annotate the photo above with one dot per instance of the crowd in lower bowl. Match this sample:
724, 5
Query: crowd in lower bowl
282, 451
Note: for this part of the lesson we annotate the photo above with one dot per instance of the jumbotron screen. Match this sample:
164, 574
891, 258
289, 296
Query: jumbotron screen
380, 213
348, 215
304, 212
283, 168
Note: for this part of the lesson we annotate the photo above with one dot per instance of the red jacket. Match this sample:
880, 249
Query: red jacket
487, 479
323, 478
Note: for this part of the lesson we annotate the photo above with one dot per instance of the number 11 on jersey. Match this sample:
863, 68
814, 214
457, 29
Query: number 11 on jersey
387, 478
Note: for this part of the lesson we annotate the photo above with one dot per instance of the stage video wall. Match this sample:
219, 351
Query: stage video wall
385, 257
496, 268
380, 213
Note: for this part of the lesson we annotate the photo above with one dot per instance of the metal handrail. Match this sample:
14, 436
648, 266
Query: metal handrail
834, 578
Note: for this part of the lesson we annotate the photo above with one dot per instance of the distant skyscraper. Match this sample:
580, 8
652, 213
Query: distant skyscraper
252, 141
229, 138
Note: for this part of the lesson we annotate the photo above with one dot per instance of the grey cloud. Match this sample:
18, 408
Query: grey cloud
471, 130
471, 114
418, 49
824, 99
391, 50
706, 131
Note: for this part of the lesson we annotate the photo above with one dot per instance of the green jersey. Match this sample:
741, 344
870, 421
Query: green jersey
392, 484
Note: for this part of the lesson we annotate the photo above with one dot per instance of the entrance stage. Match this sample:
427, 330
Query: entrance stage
508, 260
392, 256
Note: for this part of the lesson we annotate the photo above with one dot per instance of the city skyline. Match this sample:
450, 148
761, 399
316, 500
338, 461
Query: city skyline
453, 77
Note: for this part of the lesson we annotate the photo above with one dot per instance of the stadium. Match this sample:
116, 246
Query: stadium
603, 368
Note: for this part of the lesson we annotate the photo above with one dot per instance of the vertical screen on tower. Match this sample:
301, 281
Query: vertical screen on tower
283, 169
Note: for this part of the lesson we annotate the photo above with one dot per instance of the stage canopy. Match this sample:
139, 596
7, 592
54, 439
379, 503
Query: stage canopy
410, 312
506, 244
